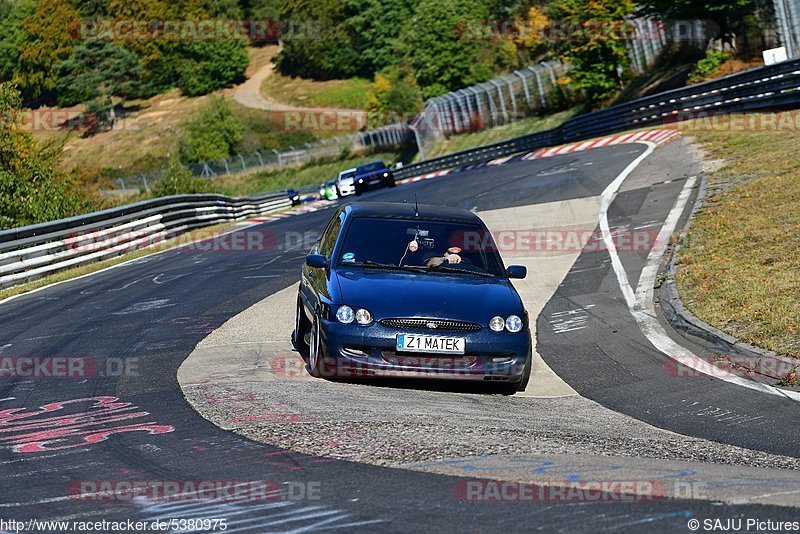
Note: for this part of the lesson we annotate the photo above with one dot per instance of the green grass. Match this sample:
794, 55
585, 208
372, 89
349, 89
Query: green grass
312, 174
500, 133
350, 93
739, 268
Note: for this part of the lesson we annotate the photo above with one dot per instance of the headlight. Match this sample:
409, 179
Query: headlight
513, 323
345, 314
497, 323
363, 316
385, 174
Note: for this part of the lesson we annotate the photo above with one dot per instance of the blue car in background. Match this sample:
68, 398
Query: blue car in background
395, 290
373, 175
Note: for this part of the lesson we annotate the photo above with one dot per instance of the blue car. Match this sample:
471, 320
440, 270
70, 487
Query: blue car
396, 290
373, 175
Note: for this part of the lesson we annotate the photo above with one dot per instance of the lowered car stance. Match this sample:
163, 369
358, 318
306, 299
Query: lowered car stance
396, 290
373, 175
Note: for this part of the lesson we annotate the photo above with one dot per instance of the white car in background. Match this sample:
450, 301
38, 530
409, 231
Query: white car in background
344, 182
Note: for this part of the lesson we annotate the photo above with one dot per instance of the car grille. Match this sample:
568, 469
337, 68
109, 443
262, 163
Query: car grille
432, 324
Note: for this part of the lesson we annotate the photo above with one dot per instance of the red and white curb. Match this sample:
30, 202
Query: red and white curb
660, 137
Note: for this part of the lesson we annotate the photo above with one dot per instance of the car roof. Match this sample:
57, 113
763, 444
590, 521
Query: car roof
401, 210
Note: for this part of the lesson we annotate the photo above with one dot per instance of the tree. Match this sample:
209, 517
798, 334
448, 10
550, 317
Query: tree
50, 38
207, 65
211, 133
442, 58
394, 96
595, 54
374, 26
95, 72
12, 34
31, 191
723, 14
325, 56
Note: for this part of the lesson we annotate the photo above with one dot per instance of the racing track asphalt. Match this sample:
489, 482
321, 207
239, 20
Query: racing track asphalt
151, 313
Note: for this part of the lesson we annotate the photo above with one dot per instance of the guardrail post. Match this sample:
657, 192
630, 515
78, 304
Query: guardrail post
260, 159
524, 87
513, 97
535, 71
244, 165
500, 97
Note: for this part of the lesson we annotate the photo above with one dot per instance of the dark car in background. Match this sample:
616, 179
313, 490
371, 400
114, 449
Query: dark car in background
392, 290
373, 175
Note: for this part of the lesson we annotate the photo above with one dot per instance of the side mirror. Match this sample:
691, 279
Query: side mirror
517, 271
317, 261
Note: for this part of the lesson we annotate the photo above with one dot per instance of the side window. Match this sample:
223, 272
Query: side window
329, 237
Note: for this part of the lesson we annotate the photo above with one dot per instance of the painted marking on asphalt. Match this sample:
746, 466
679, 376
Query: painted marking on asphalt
52, 427
641, 304
570, 320
147, 305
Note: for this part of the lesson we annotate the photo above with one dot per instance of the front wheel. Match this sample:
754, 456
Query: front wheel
316, 360
300, 328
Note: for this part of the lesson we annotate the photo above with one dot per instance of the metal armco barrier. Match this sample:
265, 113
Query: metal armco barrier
31, 252
773, 87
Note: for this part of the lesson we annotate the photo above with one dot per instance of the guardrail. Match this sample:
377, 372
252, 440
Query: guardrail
772, 87
31, 252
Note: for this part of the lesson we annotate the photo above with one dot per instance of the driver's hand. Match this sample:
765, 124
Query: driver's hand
452, 258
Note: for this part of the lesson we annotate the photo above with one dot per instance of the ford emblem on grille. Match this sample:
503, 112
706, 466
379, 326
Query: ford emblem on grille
431, 325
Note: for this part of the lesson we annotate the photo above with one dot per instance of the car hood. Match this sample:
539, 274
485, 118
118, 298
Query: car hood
448, 296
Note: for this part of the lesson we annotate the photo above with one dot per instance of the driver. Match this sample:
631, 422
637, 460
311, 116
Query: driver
451, 255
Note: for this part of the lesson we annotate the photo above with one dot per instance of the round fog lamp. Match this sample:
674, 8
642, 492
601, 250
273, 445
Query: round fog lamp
363, 316
345, 314
497, 323
513, 323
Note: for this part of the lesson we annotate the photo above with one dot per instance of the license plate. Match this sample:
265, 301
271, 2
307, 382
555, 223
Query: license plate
440, 345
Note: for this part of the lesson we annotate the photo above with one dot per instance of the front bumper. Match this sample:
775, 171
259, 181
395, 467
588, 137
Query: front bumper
347, 189
370, 351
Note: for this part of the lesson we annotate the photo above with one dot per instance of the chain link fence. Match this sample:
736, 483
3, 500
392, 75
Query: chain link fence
485, 105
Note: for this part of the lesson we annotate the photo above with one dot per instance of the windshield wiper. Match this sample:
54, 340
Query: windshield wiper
451, 268
411, 268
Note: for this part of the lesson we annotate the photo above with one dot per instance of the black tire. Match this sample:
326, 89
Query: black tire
358, 191
301, 326
316, 359
514, 387
526, 374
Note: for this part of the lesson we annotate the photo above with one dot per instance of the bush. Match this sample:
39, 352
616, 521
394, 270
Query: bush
211, 133
178, 180
31, 191
394, 92
707, 66
204, 66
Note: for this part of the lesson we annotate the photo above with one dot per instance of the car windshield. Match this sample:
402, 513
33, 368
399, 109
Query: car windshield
421, 245
346, 175
371, 167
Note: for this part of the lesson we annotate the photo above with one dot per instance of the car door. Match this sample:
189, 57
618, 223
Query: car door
314, 282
